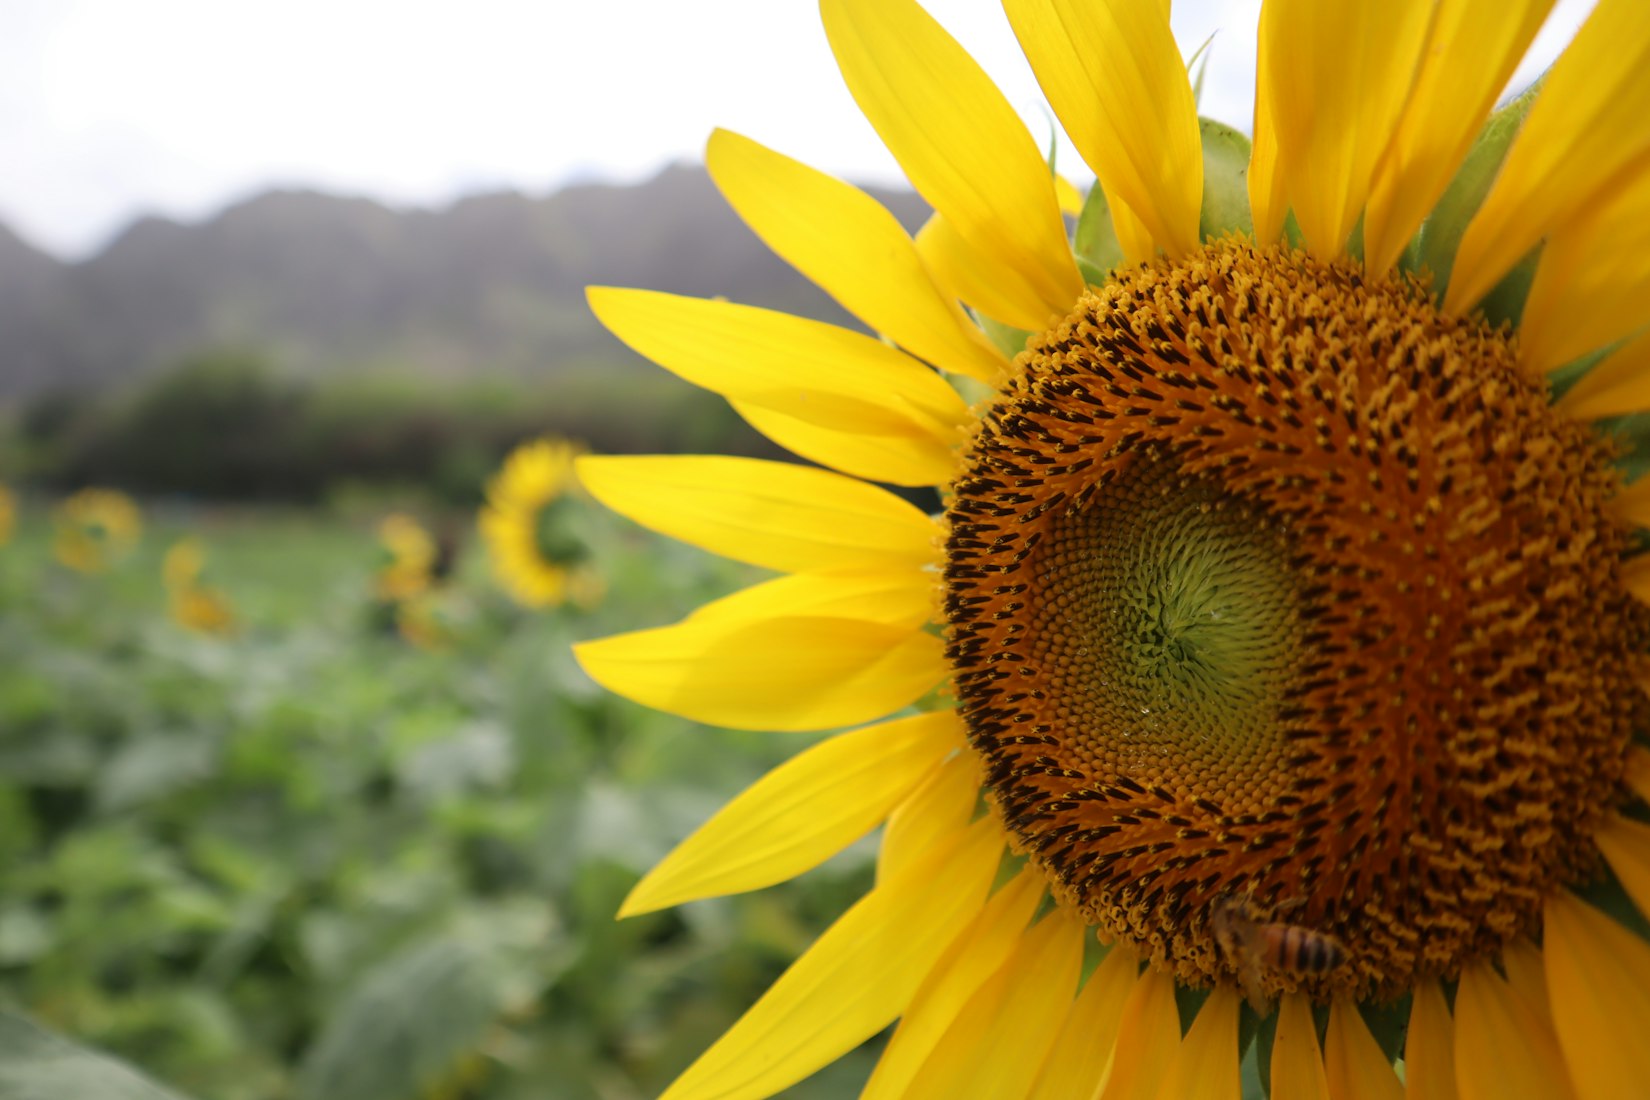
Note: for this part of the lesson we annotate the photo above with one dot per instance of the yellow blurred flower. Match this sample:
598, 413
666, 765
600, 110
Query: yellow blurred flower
1285, 616
192, 603
95, 529
412, 553
422, 620
528, 525
8, 514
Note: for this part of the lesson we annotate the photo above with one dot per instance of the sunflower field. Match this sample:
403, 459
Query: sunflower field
328, 844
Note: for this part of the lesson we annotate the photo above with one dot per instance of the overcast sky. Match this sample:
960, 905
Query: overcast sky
114, 108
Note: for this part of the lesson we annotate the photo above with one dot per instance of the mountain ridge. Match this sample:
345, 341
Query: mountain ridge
322, 284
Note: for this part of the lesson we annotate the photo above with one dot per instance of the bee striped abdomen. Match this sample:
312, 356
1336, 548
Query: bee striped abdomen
1291, 949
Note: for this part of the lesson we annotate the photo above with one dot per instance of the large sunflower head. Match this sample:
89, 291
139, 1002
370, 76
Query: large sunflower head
95, 528
1285, 598
531, 526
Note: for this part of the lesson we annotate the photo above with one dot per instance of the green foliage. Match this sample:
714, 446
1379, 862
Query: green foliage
37, 1065
227, 426
1441, 236
213, 425
1095, 241
316, 862
1225, 206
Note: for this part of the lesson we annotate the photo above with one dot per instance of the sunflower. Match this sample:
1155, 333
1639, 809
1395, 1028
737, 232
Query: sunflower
1279, 647
529, 524
8, 514
410, 558
95, 529
192, 603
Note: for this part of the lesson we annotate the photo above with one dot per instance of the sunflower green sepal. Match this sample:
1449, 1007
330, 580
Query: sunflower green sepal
1007, 339
1440, 235
1095, 241
1505, 303
1225, 181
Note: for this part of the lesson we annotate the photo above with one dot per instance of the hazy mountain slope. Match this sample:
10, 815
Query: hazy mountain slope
325, 284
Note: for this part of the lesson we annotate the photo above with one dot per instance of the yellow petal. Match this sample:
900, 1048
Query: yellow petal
1078, 1059
1071, 199
1206, 1065
774, 514
1585, 129
1635, 577
998, 1039
1637, 776
1429, 1046
897, 597
797, 672
802, 369
1617, 386
854, 980
1471, 50
1502, 1051
1297, 1066
860, 454
958, 140
1268, 204
1353, 1063
1592, 284
1335, 101
972, 275
1132, 235
1599, 973
801, 813
1626, 846
1521, 961
964, 967
852, 247
943, 805
1148, 1035
1112, 72
1632, 503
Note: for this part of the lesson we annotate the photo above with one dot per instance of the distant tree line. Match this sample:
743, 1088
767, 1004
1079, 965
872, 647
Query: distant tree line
225, 425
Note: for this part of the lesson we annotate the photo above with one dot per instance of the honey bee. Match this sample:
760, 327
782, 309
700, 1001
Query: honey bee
1257, 946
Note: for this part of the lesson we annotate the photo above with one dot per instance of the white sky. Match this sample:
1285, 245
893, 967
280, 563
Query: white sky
114, 108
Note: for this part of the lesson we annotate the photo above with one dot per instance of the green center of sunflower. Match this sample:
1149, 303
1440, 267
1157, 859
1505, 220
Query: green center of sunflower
555, 536
1169, 620
1277, 592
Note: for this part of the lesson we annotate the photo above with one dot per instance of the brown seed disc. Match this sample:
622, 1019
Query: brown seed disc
1269, 585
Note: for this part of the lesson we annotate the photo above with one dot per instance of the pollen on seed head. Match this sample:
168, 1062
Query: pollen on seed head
1267, 583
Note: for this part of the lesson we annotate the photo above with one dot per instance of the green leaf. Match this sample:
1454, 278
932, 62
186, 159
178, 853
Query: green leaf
421, 1016
1631, 435
1009, 340
152, 766
1249, 1069
1265, 1035
1504, 304
38, 1065
1096, 241
1388, 1023
1201, 53
1225, 181
1188, 1002
1440, 235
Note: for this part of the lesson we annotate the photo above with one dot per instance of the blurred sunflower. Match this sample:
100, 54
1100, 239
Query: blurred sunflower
410, 558
1286, 605
95, 529
8, 514
423, 620
192, 603
529, 526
